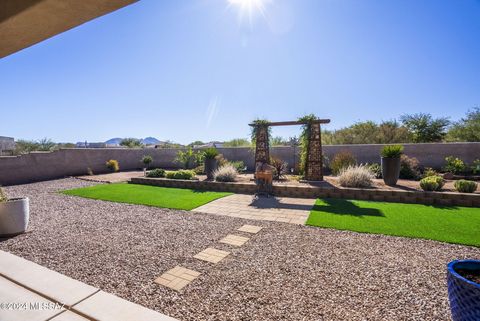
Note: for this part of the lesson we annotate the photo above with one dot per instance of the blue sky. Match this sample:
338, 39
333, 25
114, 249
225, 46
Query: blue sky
187, 70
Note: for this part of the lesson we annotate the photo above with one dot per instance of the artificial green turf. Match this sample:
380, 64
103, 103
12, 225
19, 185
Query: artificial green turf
176, 198
450, 224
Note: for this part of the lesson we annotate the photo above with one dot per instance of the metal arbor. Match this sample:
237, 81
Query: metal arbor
314, 161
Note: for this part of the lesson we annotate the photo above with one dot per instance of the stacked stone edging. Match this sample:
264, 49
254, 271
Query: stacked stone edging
418, 197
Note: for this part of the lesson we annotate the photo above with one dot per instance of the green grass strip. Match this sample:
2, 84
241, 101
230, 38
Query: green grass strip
165, 197
452, 224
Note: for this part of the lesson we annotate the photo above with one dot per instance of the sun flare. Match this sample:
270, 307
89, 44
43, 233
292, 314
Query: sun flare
250, 8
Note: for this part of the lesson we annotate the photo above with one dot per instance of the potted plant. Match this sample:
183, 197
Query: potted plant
14, 215
146, 160
463, 280
210, 158
391, 163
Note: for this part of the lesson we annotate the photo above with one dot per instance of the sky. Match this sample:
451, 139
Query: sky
203, 69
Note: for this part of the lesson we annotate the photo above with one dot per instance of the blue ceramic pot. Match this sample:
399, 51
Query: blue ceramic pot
464, 295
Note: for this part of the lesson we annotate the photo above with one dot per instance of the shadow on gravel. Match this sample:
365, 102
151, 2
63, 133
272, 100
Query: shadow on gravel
345, 207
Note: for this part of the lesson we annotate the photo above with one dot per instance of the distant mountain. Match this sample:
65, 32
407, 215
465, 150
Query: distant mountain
150, 141
114, 141
145, 141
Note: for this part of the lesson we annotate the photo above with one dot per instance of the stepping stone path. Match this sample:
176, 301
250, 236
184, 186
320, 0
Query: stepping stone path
234, 240
250, 229
212, 255
179, 277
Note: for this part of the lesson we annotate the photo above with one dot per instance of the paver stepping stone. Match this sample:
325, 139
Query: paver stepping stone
235, 240
250, 229
212, 255
177, 278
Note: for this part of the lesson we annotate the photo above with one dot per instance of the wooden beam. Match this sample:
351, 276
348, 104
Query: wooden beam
291, 123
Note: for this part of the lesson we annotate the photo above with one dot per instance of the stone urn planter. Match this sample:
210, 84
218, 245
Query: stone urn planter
14, 216
391, 163
211, 166
463, 279
390, 170
210, 156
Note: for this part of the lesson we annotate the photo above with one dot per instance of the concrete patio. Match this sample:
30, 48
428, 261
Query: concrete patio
31, 292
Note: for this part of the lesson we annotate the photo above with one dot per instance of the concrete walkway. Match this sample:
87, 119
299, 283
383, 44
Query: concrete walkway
279, 209
30, 292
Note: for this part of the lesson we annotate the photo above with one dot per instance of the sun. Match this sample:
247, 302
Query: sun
250, 8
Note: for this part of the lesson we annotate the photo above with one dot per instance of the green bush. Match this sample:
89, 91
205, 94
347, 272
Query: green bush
376, 170
409, 167
157, 172
113, 165
454, 165
199, 170
392, 151
3, 196
432, 183
476, 167
189, 158
147, 160
210, 153
342, 160
428, 171
180, 174
464, 186
239, 166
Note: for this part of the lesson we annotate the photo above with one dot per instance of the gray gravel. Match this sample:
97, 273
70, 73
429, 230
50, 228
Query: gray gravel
285, 272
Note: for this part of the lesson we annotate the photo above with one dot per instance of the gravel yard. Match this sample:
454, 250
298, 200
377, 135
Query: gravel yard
285, 272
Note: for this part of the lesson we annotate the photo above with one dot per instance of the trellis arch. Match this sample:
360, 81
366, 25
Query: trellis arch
314, 162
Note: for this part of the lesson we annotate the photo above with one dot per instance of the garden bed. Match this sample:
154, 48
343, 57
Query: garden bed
324, 190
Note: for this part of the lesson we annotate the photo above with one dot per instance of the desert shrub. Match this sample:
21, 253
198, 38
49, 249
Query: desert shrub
392, 151
454, 165
199, 170
376, 169
409, 167
342, 160
281, 167
157, 172
356, 176
476, 167
147, 160
464, 186
226, 173
189, 158
113, 165
180, 174
239, 166
210, 153
428, 171
3, 196
432, 183
222, 161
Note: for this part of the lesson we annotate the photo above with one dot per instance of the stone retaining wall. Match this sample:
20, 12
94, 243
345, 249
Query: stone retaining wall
40, 166
418, 197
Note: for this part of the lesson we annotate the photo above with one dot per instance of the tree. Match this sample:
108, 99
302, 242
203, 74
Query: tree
278, 141
131, 143
237, 142
196, 143
467, 129
45, 144
424, 128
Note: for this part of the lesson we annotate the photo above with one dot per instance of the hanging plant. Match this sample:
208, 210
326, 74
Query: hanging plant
258, 124
304, 139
